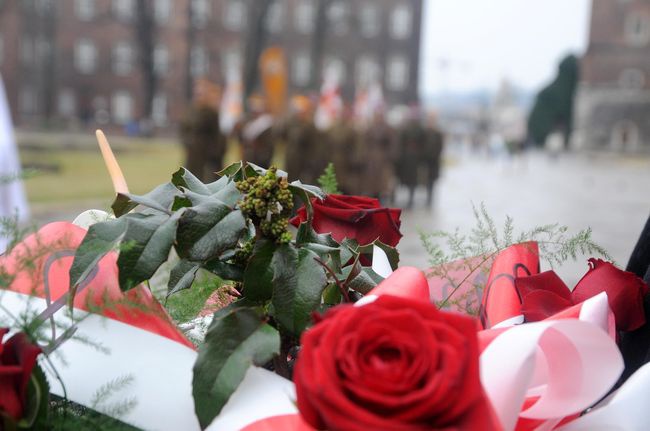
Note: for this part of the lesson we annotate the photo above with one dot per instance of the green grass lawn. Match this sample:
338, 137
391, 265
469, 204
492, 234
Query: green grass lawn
67, 175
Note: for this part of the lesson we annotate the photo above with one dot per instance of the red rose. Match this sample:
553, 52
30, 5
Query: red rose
394, 364
17, 359
545, 294
355, 217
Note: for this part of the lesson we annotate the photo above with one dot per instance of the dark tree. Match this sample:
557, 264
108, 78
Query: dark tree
318, 42
553, 108
190, 37
145, 32
255, 43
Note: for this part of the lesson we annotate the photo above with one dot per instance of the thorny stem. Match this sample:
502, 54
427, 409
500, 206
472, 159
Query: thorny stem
342, 288
280, 363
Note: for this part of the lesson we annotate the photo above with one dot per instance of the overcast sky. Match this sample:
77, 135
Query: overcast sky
473, 44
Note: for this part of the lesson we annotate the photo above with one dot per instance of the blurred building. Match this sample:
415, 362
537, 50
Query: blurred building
613, 103
79, 61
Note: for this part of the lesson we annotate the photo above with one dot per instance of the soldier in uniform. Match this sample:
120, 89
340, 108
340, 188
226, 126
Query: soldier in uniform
204, 144
432, 155
255, 133
381, 151
302, 139
344, 147
411, 137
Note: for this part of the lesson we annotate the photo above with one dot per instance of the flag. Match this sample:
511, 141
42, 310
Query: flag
13, 201
232, 105
330, 104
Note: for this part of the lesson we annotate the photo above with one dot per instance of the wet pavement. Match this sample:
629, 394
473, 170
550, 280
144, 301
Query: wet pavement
606, 192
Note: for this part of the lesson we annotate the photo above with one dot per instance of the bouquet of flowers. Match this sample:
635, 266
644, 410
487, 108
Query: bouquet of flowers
323, 329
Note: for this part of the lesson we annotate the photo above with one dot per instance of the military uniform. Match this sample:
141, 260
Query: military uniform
204, 144
345, 150
257, 139
431, 158
302, 149
411, 141
381, 152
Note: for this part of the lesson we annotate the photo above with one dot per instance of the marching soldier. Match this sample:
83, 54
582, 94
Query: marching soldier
204, 144
256, 133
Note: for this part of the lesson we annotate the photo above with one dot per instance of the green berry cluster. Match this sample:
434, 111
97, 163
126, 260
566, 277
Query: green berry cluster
244, 252
268, 203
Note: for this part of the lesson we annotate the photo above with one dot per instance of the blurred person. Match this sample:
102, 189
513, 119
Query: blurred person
379, 177
256, 133
201, 136
13, 202
411, 138
432, 155
345, 148
302, 141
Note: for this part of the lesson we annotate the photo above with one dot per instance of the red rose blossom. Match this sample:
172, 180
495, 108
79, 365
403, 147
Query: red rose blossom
17, 359
545, 294
355, 217
394, 364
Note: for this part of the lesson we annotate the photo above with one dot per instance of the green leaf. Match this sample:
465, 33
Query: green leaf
305, 193
391, 252
150, 239
160, 199
182, 276
235, 340
100, 239
298, 285
227, 192
258, 275
365, 281
225, 270
322, 244
207, 230
184, 178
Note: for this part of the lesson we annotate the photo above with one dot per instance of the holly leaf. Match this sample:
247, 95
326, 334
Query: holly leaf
182, 276
159, 199
365, 281
184, 178
99, 240
258, 275
298, 285
235, 340
207, 230
391, 252
150, 239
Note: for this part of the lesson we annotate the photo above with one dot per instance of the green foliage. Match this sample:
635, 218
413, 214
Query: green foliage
553, 106
237, 229
237, 338
328, 181
473, 252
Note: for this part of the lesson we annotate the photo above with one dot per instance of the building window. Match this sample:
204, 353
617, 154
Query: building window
122, 107
159, 110
162, 10
305, 15
369, 17
336, 67
338, 16
122, 58
198, 61
637, 29
234, 17
275, 17
397, 75
625, 136
84, 9
85, 56
67, 104
200, 13
368, 71
632, 79
301, 69
160, 60
28, 101
123, 9
401, 21
231, 61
